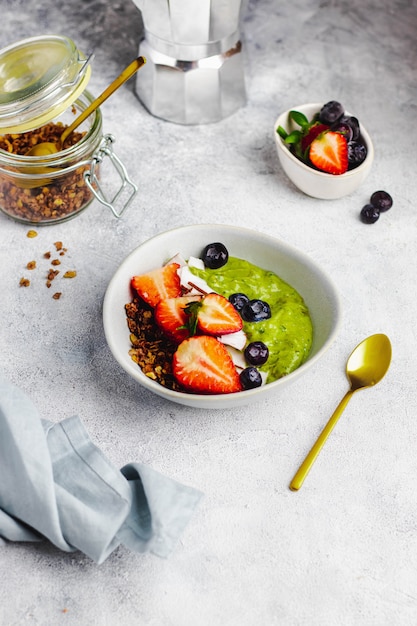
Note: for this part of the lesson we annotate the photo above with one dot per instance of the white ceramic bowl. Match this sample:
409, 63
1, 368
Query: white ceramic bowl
265, 251
310, 181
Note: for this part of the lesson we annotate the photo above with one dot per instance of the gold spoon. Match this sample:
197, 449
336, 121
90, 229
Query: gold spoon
48, 147
366, 366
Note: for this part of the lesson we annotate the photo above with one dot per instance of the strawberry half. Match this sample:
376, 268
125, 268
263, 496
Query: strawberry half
202, 364
314, 131
171, 317
158, 284
329, 153
214, 315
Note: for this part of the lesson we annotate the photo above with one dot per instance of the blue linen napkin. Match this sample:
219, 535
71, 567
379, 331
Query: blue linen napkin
56, 484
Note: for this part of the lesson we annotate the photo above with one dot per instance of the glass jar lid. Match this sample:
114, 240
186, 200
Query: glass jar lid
40, 77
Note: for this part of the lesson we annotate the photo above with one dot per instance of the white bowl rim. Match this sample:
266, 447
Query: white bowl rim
176, 396
281, 144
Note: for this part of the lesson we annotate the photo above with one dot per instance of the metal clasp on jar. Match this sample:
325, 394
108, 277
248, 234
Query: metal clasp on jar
91, 178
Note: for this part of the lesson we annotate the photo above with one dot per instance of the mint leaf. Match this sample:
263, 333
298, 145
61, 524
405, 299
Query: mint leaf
282, 132
191, 310
293, 137
299, 118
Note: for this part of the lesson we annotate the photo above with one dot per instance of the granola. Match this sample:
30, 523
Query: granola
52, 199
151, 349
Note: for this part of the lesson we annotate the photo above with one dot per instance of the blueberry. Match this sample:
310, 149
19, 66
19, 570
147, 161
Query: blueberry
381, 200
215, 255
356, 153
256, 311
256, 353
344, 129
369, 214
331, 112
250, 378
353, 122
238, 300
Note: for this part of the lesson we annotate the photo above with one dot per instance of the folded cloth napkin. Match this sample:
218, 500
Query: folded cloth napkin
56, 484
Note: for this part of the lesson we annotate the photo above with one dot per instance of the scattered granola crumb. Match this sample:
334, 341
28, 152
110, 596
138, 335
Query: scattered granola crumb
52, 273
31, 234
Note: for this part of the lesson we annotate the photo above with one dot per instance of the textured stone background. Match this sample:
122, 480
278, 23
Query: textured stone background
343, 550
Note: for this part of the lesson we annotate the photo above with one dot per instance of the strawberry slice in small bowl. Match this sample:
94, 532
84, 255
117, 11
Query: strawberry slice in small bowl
313, 132
329, 152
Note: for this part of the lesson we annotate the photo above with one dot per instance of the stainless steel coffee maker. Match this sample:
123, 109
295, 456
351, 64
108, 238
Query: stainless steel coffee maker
194, 70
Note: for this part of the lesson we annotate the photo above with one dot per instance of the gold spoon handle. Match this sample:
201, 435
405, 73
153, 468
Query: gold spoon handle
122, 78
305, 467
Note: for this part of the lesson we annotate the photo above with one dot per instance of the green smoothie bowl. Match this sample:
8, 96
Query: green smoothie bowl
217, 316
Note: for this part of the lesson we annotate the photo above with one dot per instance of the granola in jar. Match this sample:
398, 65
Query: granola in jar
50, 197
51, 188
36, 106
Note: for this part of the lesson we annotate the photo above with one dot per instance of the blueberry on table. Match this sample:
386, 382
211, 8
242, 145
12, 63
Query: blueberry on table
250, 378
215, 255
256, 311
381, 200
256, 353
331, 112
369, 214
238, 300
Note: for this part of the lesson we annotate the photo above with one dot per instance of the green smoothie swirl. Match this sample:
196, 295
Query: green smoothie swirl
288, 333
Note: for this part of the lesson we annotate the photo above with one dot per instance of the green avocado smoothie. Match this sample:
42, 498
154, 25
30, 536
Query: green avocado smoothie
288, 333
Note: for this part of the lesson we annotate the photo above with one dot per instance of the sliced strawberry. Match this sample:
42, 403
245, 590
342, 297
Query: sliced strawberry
202, 364
329, 153
171, 317
217, 316
158, 284
314, 131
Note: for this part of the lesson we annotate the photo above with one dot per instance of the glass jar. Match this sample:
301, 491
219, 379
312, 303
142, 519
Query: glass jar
37, 104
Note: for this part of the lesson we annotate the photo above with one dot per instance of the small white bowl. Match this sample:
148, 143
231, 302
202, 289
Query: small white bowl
293, 266
310, 181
